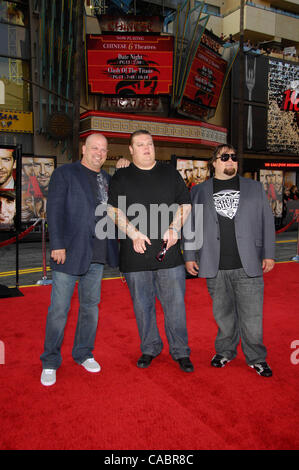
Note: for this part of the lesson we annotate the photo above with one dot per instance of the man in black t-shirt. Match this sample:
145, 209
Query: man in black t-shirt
159, 197
238, 247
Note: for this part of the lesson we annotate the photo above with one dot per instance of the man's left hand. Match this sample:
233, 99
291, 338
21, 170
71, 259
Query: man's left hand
267, 265
122, 163
171, 236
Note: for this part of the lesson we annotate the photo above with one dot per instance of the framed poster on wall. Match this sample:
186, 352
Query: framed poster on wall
36, 174
193, 170
272, 180
7, 187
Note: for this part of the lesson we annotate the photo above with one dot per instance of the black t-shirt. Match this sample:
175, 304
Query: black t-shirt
99, 187
226, 194
143, 193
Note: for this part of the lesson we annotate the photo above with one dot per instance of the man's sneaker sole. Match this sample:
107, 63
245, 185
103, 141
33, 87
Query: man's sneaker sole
219, 361
262, 369
48, 377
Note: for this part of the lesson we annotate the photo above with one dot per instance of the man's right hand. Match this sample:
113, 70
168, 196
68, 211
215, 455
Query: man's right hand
58, 256
139, 242
192, 267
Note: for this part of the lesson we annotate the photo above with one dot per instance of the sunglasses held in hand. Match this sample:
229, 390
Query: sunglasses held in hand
226, 156
160, 256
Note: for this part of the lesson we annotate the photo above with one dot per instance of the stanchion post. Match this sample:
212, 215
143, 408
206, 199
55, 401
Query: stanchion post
44, 281
17, 260
18, 206
18, 212
296, 258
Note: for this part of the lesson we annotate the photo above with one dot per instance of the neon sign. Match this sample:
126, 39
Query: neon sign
282, 165
291, 101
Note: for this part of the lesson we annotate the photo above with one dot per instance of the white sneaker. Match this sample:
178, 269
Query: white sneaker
48, 377
91, 365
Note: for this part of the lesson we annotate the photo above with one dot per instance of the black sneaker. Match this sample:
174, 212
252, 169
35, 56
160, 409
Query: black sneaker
219, 361
262, 369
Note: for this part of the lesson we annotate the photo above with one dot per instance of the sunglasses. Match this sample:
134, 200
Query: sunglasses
160, 256
226, 156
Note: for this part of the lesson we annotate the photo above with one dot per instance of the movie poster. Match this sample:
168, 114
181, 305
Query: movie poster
7, 188
36, 174
193, 171
289, 179
272, 180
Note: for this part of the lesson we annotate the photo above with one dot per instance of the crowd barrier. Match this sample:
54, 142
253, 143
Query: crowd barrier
283, 229
9, 292
21, 235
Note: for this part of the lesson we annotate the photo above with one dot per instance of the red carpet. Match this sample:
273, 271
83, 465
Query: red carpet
123, 407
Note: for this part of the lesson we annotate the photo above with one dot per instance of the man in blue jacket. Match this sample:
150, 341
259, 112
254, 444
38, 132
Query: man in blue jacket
238, 247
77, 254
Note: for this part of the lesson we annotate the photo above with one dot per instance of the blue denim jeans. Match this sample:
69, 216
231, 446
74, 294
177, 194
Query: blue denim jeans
89, 290
238, 312
168, 285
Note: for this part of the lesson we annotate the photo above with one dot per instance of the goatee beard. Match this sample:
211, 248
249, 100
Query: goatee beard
230, 171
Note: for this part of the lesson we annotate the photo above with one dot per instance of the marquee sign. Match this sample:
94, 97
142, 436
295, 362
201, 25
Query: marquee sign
129, 65
205, 78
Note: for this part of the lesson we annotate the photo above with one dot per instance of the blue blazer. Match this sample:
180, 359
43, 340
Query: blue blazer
254, 228
71, 219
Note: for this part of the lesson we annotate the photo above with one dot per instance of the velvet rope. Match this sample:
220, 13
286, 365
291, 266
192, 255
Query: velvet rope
21, 235
283, 229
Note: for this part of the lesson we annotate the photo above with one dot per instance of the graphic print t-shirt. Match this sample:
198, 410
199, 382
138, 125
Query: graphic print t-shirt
226, 195
99, 186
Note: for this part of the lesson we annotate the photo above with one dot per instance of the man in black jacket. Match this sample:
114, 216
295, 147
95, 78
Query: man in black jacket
77, 254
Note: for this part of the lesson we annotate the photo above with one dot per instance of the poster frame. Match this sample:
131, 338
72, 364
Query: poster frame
38, 193
14, 173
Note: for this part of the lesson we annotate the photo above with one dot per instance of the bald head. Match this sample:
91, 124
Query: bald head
94, 152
